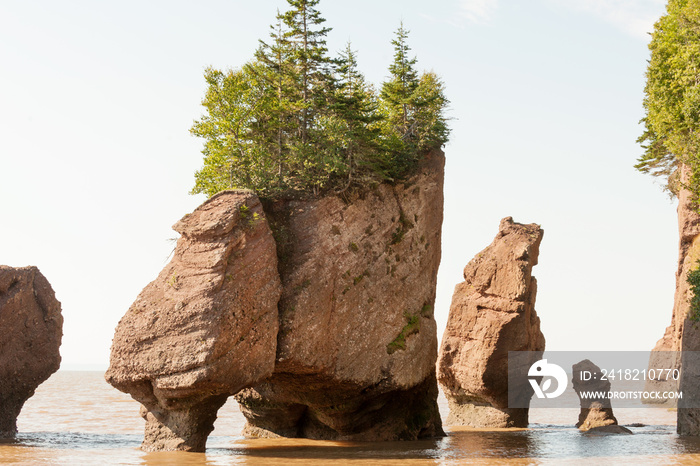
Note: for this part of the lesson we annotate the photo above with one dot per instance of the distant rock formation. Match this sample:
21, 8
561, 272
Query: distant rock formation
595, 412
206, 327
357, 344
32, 328
492, 313
343, 347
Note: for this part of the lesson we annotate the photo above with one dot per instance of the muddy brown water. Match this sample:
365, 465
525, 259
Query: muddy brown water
75, 418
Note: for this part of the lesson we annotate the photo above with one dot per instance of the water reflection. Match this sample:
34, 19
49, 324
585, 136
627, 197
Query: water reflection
78, 419
485, 444
289, 449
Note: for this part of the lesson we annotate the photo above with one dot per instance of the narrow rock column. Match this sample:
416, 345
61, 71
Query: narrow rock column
595, 412
492, 313
32, 328
186, 428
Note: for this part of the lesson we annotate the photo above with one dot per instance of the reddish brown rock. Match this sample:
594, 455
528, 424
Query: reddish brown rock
683, 324
684, 333
206, 327
666, 352
595, 412
492, 313
357, 343
32, 327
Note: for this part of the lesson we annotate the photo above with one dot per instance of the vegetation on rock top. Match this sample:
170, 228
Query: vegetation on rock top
296, 120
672, 98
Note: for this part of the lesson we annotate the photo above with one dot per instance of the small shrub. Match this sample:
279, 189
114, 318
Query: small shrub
693, 280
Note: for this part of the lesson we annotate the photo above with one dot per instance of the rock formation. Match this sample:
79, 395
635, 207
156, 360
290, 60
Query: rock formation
666, 352
357, 343
492, 313
613, 429
683, 334
595, 412
206, 327
32, 327
330, 324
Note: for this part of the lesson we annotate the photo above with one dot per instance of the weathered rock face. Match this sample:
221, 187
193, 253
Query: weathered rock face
683, 334
492, 313
206, 327
357, 343
32, 328
665, 353
595, 412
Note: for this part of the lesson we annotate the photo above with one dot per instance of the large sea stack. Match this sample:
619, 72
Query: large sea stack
357, 344
492, 313
32, 328
345, 348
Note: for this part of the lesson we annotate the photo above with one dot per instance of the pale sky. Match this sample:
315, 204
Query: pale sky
96, 100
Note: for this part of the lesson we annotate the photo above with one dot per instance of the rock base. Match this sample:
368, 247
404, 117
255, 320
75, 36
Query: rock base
482, 415
397, 415
184, 429
595, 416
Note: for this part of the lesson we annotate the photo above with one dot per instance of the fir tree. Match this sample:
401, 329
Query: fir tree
314, 81
358, 132
397, 93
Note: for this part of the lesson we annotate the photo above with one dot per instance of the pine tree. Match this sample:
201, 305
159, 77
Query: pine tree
274, 65
362, 156
429, 104
313, 82
397, 93
309, 53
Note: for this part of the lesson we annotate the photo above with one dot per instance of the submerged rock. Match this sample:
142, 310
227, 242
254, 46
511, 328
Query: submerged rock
32, 328
492, 313
357, 343
609, 429
206, 327
595, 411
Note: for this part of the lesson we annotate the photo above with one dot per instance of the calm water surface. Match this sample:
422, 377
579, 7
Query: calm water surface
75, 418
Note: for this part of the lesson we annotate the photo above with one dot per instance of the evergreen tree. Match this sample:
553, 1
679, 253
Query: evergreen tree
295, 120
357, 132
234, 155
314, 81
429, 118
275, 67
413, 108
397, 93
